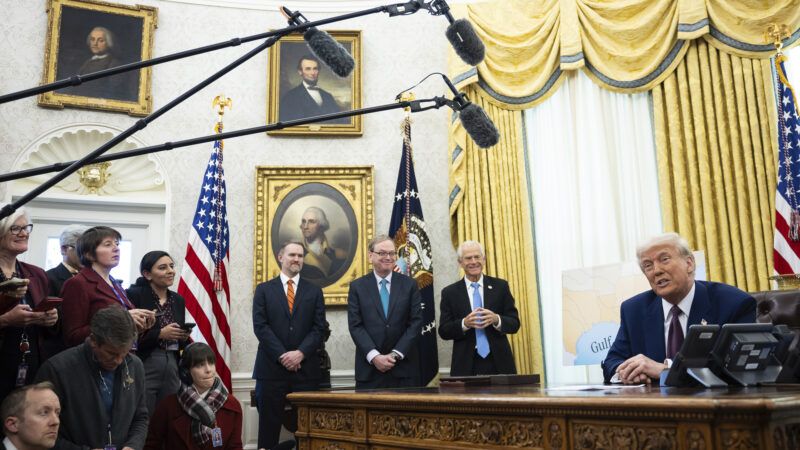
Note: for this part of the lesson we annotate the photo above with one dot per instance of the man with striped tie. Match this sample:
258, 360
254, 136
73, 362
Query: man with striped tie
288, 320
477, 312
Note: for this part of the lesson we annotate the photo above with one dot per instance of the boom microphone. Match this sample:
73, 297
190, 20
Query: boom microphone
323, 45
465, 41
475, 120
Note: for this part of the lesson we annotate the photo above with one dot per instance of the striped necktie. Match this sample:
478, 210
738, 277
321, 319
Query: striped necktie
290, 294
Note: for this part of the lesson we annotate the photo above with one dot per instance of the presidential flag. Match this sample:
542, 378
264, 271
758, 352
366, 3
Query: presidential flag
407, 228
204, 277
786, 253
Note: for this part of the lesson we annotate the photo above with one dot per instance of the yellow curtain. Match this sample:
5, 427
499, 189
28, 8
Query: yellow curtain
489, 204
715, 137
628, 45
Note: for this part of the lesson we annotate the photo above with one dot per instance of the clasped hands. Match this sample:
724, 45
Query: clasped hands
481, 318
639, 369
291, 360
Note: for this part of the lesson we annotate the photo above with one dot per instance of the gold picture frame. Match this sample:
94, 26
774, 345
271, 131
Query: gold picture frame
85, 36
341, 197
288, 99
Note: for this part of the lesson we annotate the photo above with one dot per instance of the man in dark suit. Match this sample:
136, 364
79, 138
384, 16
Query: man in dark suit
653, 323
477, 312
308, 99
385, 319
70, 261
288, 320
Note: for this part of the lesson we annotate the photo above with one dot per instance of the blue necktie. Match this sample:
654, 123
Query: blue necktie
482, 344
385, 297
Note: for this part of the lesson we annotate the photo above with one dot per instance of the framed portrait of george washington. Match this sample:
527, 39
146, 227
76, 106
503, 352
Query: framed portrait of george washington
329, 210
85, 36
301, 86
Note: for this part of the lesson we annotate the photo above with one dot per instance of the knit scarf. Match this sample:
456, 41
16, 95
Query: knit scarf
202, 410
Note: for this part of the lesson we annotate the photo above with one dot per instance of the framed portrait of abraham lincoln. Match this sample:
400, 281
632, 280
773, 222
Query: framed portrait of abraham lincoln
86, 36
302, 86
329, 210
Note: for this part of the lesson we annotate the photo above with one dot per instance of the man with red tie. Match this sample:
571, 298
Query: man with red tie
288, 320
653, 323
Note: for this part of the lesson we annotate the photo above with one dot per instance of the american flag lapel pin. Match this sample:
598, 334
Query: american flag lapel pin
703, 322
489, 286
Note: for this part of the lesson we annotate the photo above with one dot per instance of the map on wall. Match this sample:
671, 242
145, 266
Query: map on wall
591, 299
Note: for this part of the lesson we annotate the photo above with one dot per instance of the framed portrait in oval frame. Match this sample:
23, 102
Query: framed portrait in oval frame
327, 209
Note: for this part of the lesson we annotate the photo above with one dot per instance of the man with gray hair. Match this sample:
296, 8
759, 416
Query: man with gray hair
70, 262
30, 418
101, 386
654, 323
477, 312
384, 316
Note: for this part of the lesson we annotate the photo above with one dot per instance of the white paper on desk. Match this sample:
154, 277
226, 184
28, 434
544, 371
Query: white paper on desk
594, 387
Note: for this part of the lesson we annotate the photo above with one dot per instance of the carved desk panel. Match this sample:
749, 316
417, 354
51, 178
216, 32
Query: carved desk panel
497, 417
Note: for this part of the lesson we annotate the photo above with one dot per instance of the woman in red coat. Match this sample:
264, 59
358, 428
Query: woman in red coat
93, 288
202, 415
24, 332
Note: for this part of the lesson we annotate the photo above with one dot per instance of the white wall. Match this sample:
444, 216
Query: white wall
397, 53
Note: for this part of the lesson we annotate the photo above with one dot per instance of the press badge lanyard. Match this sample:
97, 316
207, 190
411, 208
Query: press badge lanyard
123, 300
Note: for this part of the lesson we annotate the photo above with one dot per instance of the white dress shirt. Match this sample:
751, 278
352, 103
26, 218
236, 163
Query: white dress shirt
314, 93
284, 281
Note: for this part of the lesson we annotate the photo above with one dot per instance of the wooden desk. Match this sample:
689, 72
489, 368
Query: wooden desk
530, 417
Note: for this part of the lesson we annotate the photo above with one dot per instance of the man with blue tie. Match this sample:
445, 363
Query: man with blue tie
385, 319
477, 312
288, 320
654, 323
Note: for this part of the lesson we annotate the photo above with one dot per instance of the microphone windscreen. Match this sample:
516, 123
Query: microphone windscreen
479, 126
330, 52
465, 42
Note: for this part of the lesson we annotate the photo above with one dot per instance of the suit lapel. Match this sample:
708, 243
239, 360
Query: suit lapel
277, 292
466, 302
372, 288
394, 294
489, 297
701, 306
654, 330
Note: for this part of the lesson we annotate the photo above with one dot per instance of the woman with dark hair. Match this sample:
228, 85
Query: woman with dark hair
23, 331
203, 415
159, 346
93, 288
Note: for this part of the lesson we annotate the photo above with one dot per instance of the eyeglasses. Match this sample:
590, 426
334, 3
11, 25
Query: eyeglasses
16, 229
385, 254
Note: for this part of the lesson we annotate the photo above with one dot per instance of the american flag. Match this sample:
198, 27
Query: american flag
407, 228
204, 277
786, 254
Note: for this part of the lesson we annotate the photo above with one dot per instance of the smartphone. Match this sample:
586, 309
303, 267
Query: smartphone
188, 327
48, 304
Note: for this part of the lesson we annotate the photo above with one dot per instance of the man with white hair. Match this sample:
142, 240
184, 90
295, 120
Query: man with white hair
477, 312
70, 261
322, 260
654, 323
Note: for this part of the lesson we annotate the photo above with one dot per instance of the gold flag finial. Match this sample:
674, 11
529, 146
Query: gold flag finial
776, 34
407, 97
221, 102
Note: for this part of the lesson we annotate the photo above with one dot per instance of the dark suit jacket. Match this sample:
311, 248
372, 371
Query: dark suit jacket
641, 328
279, 332
84, 294
57, 276
297, 104
456, 305
371, 329
170, 426
142, 296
